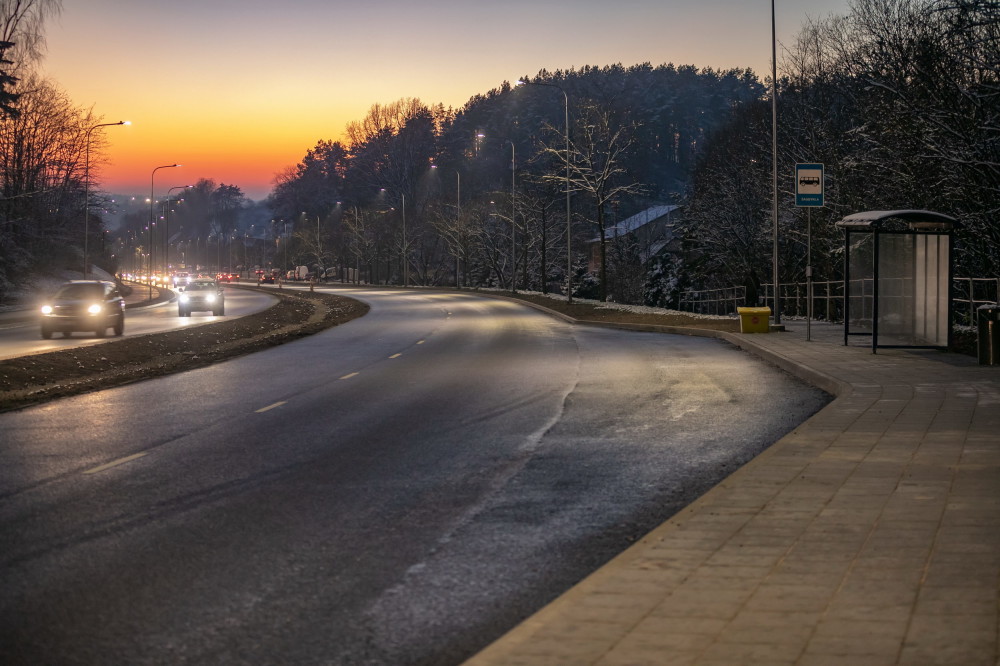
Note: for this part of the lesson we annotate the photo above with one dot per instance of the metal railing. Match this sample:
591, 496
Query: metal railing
828, 299
713, 301
969, 293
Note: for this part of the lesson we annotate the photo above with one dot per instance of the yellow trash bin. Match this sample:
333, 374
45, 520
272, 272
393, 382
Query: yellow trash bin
754, 320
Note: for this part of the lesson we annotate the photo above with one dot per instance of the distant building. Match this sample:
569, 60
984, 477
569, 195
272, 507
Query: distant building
651, 231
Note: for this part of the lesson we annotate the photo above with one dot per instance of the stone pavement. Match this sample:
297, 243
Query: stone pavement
868, 535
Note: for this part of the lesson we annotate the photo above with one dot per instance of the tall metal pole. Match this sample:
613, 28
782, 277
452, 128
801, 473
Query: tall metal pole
458, 223
86, 198
513, 228
152, 218
774, 165
406, 258
569, 216
166, 226
809, 275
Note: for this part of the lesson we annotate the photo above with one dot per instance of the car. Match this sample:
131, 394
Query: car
199, 296
84, 305
182, 279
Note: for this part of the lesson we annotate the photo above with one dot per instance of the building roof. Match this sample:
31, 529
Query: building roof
630, 224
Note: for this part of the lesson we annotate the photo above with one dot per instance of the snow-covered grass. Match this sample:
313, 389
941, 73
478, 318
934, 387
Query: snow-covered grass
639, 309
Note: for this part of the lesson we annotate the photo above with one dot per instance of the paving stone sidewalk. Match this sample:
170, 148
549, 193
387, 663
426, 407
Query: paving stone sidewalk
868, 535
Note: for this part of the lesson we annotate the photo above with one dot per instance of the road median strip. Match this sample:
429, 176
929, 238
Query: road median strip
40, 377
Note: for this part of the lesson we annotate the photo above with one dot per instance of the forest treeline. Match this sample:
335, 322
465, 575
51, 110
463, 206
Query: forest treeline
898, 99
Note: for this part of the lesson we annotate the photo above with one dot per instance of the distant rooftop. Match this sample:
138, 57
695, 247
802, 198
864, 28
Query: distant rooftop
638, 220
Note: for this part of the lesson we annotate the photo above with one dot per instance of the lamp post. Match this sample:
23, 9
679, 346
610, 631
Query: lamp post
569, 219
513, 227
774, 165
152, 223
86, 197
166, 226
406, 258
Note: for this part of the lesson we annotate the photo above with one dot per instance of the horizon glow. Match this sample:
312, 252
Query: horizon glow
239, 90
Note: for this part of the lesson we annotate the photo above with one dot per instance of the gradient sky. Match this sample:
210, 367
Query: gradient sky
238, 90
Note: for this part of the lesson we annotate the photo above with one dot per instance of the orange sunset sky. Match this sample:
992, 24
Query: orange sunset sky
238, 90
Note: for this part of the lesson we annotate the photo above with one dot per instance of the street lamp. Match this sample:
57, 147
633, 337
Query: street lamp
406, 248
152, 222
86, 197
166, 226
774, 165
569, 219
513, 228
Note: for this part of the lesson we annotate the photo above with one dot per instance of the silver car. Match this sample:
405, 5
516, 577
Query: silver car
201, 295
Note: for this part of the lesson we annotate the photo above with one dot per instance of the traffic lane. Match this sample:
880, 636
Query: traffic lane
421, 483
650, 423
232, 472
23, 338
185, 404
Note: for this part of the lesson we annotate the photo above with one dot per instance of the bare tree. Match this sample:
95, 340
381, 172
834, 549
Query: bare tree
598, 151
21, 43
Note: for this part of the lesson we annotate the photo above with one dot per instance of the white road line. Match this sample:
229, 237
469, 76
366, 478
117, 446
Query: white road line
353, 374
114, 463
395, 356
270, 407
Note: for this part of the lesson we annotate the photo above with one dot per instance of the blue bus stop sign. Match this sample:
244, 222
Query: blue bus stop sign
809, 184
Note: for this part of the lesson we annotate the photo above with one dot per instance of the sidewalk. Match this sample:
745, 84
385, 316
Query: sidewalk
868, 535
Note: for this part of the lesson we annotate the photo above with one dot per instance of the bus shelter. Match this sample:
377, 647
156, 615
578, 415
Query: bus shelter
897, 278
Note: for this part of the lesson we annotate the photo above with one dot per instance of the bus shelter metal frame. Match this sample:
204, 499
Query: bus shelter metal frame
880, 223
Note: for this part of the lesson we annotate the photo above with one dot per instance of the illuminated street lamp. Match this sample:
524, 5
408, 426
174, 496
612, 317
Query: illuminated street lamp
166, 226
152, 223
569, 219
86, 197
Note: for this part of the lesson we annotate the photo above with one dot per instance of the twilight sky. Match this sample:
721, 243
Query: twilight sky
238, 90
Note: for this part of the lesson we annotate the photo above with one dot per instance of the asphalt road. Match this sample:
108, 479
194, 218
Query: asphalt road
20, 338
398, 490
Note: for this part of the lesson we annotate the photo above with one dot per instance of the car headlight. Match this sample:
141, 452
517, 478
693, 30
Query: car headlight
94, 309
210, 298
46, 309
183, 298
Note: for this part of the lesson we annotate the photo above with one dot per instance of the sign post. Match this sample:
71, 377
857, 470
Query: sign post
809, 186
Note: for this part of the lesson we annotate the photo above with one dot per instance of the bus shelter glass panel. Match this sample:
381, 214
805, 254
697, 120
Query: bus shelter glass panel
861, 289
913, 289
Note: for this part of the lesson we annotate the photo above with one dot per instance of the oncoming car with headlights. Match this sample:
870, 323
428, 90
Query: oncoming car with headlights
84, 305
201, 295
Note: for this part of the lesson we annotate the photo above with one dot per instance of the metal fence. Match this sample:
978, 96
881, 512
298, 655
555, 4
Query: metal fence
828, 299
714, 301
969, 293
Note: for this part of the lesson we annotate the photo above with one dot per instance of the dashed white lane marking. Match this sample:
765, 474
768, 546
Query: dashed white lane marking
353, 374
395, 356
270, 407
114, 463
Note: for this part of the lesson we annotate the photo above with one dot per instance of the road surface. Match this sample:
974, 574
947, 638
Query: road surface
401, 489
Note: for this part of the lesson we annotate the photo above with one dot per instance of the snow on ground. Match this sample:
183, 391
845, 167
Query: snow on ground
639, 309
